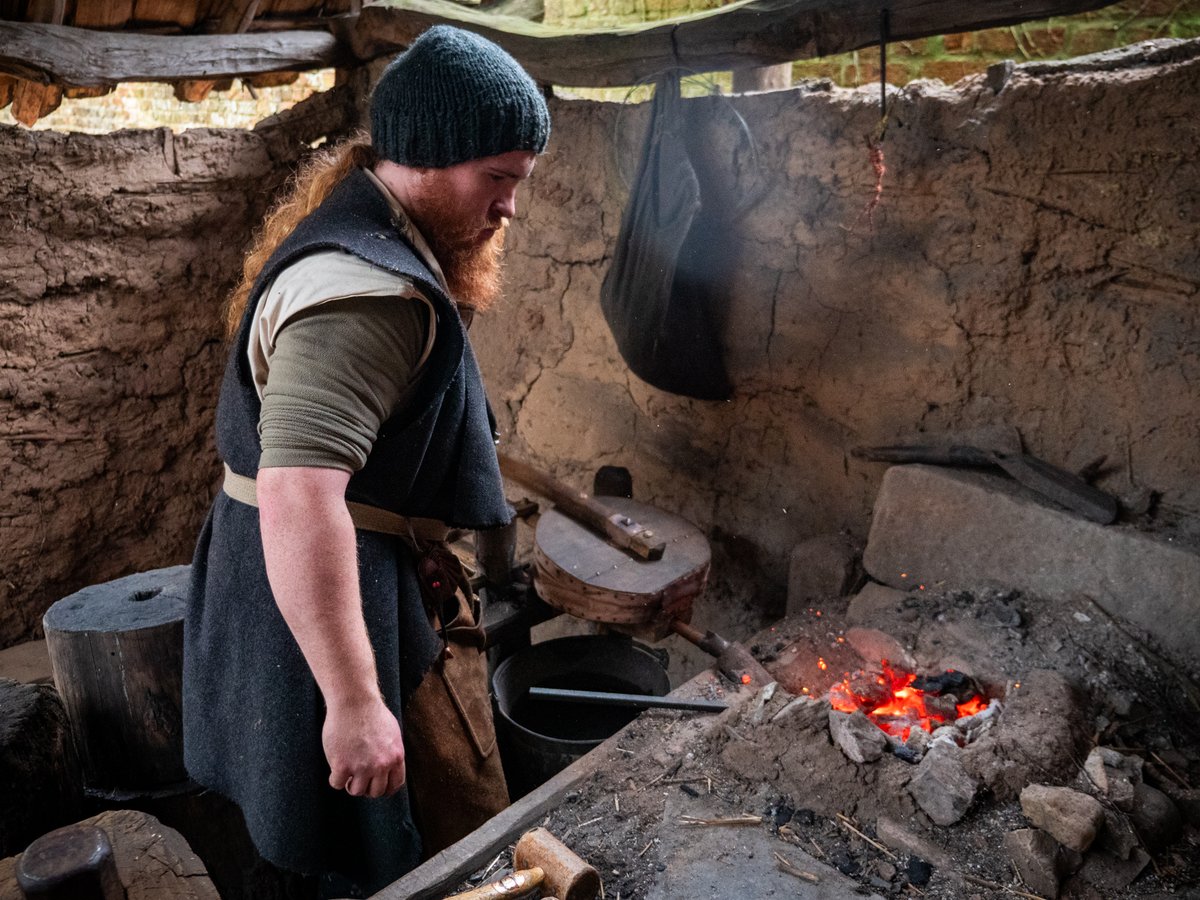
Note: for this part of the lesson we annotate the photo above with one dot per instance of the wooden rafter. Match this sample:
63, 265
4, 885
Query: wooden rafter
76, 56
744, 34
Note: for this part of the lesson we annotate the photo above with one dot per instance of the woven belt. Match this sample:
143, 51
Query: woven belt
365, 517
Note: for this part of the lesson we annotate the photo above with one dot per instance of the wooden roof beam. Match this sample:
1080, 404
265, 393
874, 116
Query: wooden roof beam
745, 34
61, 54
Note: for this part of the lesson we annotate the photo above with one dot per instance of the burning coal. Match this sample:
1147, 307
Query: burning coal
899, 701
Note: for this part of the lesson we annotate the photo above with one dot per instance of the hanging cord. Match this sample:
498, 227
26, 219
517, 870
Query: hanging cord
875, 141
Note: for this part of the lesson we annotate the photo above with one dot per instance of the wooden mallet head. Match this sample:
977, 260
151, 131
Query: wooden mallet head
566, 875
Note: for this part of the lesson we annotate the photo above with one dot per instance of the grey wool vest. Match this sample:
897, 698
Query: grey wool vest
252, 710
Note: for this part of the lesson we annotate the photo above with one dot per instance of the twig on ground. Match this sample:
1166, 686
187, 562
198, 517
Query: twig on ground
747, 819
874, 843
784, 865
647, 847
1182, 781
995, 886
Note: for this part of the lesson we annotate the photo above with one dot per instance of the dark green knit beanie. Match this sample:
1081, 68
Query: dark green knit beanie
453, 96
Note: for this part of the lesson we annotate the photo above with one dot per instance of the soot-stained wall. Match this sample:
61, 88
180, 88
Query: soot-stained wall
1033, 261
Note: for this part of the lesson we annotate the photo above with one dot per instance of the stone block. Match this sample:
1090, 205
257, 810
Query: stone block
942, 787
964, 529
821, 569
1155, 816
1110, 874
858, 737
875, 646
900, 837
1112, 776
874, 602
1034, 854
1071, 818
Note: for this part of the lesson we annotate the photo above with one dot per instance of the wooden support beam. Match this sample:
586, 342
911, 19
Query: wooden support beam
745, 34
65, 55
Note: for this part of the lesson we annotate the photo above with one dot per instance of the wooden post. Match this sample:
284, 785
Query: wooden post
117, 654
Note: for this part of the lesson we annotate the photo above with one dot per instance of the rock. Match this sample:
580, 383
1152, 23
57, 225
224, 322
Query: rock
1072, 818
858, 737
900, 837
941, 786
1155, 817
1034, 853
1112, 775
1118, 836
1187, 801
873, 602
821, 569
961, 529
1108, 873
875, 646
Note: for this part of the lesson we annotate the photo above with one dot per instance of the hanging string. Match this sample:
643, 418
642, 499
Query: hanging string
875, 142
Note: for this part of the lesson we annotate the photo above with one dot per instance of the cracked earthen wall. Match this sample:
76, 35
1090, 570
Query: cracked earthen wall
116, 255
1033, 261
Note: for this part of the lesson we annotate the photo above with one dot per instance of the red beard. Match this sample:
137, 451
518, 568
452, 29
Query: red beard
473, 267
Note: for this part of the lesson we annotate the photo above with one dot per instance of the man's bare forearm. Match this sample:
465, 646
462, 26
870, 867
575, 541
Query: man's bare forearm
311, 556
309, 545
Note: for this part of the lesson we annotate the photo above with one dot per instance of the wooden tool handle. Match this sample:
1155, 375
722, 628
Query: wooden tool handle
609, 523
517, 884
735, 661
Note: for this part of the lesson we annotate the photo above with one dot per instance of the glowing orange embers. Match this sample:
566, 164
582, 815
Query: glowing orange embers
891, 701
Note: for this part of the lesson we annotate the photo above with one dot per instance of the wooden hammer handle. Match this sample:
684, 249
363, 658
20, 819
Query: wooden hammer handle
517, 884
607, 522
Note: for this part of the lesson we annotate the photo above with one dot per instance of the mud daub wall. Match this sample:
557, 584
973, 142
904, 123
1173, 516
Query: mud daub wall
1033, 261
115, 257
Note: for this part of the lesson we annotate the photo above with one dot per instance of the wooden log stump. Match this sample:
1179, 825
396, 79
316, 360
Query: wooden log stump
152, 861
117, 654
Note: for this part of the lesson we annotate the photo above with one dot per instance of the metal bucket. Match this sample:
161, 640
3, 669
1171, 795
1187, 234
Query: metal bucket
539, 738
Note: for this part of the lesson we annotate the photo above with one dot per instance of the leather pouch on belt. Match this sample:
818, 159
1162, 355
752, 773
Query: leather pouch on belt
455, 779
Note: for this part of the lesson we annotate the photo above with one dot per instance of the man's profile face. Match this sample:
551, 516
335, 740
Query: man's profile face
462, 210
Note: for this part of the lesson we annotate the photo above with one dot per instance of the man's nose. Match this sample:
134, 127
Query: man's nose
505, 205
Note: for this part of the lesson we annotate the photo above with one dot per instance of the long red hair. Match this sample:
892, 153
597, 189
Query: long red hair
312, 183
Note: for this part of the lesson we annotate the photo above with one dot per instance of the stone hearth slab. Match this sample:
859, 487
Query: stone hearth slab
718, 863
963, 530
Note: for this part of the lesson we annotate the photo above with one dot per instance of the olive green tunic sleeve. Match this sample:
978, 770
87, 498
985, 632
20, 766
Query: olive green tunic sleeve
338, 371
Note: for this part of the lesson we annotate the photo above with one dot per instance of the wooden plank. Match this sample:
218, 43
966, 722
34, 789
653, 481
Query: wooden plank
439, 874
32, 100
102, 14
66, 55
745, 34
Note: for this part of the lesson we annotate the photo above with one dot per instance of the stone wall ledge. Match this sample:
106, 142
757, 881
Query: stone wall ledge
962, 529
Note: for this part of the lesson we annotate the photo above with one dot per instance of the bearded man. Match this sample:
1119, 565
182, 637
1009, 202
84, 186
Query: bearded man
334, 683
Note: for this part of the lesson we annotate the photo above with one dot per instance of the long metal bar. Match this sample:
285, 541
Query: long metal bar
640, 701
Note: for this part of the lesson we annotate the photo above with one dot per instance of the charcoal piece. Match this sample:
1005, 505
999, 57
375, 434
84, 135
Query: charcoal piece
906, 753
844, 862
951, 682
917, 871
782, 814
805, 817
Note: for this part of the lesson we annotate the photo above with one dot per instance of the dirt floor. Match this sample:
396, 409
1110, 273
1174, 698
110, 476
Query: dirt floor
1074, 679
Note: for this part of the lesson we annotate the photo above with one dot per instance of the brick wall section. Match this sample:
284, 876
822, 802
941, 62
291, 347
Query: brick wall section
145, 105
